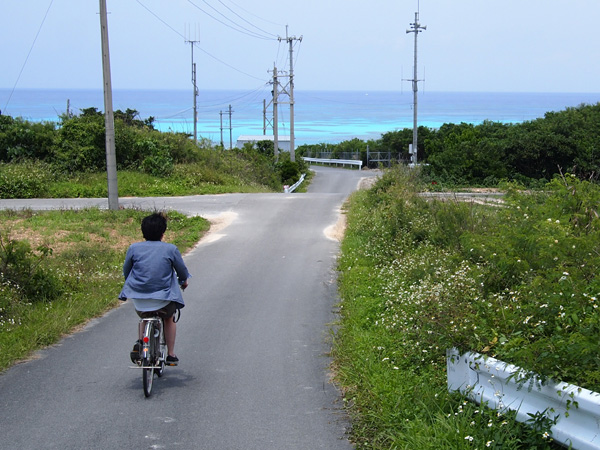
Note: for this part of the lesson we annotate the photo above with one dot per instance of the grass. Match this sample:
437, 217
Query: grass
418, 276
88, 249
132, 184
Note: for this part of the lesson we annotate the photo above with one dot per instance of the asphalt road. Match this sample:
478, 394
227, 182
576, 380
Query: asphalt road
252, 340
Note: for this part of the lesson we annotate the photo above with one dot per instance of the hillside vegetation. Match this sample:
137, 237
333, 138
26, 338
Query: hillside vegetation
419, 276
68, 159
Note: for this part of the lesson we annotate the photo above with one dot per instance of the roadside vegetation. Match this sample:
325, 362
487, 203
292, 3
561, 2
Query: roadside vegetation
68, 159
416, 276
419, 276
60, 268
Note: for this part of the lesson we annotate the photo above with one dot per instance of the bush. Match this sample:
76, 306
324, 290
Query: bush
25, 180
289, 172
517, 282
156, 160
21, 139
25, 272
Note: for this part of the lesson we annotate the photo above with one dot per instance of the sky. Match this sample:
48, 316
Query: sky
468, 45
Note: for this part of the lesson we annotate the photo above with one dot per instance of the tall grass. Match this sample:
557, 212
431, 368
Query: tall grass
84, 253
419, 276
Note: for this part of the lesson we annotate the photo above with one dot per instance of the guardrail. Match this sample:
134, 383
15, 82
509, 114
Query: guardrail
504, 386
293, 187
337, 162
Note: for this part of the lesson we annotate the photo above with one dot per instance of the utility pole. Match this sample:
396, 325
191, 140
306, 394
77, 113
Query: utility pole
415, 28
230, 129
275, 124
290, 40
109, 118
192, 43
264, 117
221, 117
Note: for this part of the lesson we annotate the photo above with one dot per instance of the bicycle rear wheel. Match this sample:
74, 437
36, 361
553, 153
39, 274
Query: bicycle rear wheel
147, 379
147, 359
161, 348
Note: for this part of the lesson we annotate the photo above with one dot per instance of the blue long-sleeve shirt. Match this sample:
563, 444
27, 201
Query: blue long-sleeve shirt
153, 270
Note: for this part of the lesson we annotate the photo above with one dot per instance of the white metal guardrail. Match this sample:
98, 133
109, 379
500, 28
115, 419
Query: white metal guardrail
293, 187
501, 385
337, 162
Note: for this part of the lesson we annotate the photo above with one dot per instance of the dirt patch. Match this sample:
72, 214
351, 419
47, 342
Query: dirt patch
336, 231
367, 182
217, 224
59, 240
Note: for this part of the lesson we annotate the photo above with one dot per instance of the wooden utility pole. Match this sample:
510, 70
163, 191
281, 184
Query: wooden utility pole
109, 118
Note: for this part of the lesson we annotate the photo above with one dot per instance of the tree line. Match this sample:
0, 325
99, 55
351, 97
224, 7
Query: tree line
76, 144
464, 153
490, 152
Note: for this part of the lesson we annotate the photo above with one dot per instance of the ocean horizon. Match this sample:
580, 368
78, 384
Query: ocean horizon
320, 116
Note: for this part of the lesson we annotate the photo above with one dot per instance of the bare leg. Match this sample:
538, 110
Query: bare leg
170, 332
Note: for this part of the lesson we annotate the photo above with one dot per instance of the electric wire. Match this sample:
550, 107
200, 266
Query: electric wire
298, 53
197, 46
239, 29
252, 14
235, 99
249, 23
28, 54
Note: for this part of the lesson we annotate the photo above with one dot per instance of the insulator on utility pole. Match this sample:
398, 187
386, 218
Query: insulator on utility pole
415, 28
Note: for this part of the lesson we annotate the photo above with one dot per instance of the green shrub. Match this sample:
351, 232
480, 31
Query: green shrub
156, 160
25, 180
25, 271
289, 172
517, 282
21, 139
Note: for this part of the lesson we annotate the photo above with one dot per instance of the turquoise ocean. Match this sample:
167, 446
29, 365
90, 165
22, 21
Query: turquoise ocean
320, 116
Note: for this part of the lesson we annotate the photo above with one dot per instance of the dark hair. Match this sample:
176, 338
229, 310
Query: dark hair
154, 226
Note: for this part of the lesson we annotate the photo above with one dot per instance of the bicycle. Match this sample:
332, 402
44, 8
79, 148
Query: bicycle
153, 351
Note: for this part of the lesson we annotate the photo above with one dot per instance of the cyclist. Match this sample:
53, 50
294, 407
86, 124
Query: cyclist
155, 274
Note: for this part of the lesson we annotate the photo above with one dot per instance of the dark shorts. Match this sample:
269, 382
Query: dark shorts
165, 312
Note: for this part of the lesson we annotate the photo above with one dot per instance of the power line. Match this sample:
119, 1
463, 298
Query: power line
28, 54
249, 23
197, 46
163, 22
239, 29
236, 99
253, 15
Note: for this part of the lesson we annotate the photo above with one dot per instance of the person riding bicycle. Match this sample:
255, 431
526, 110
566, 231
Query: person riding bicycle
155, 275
